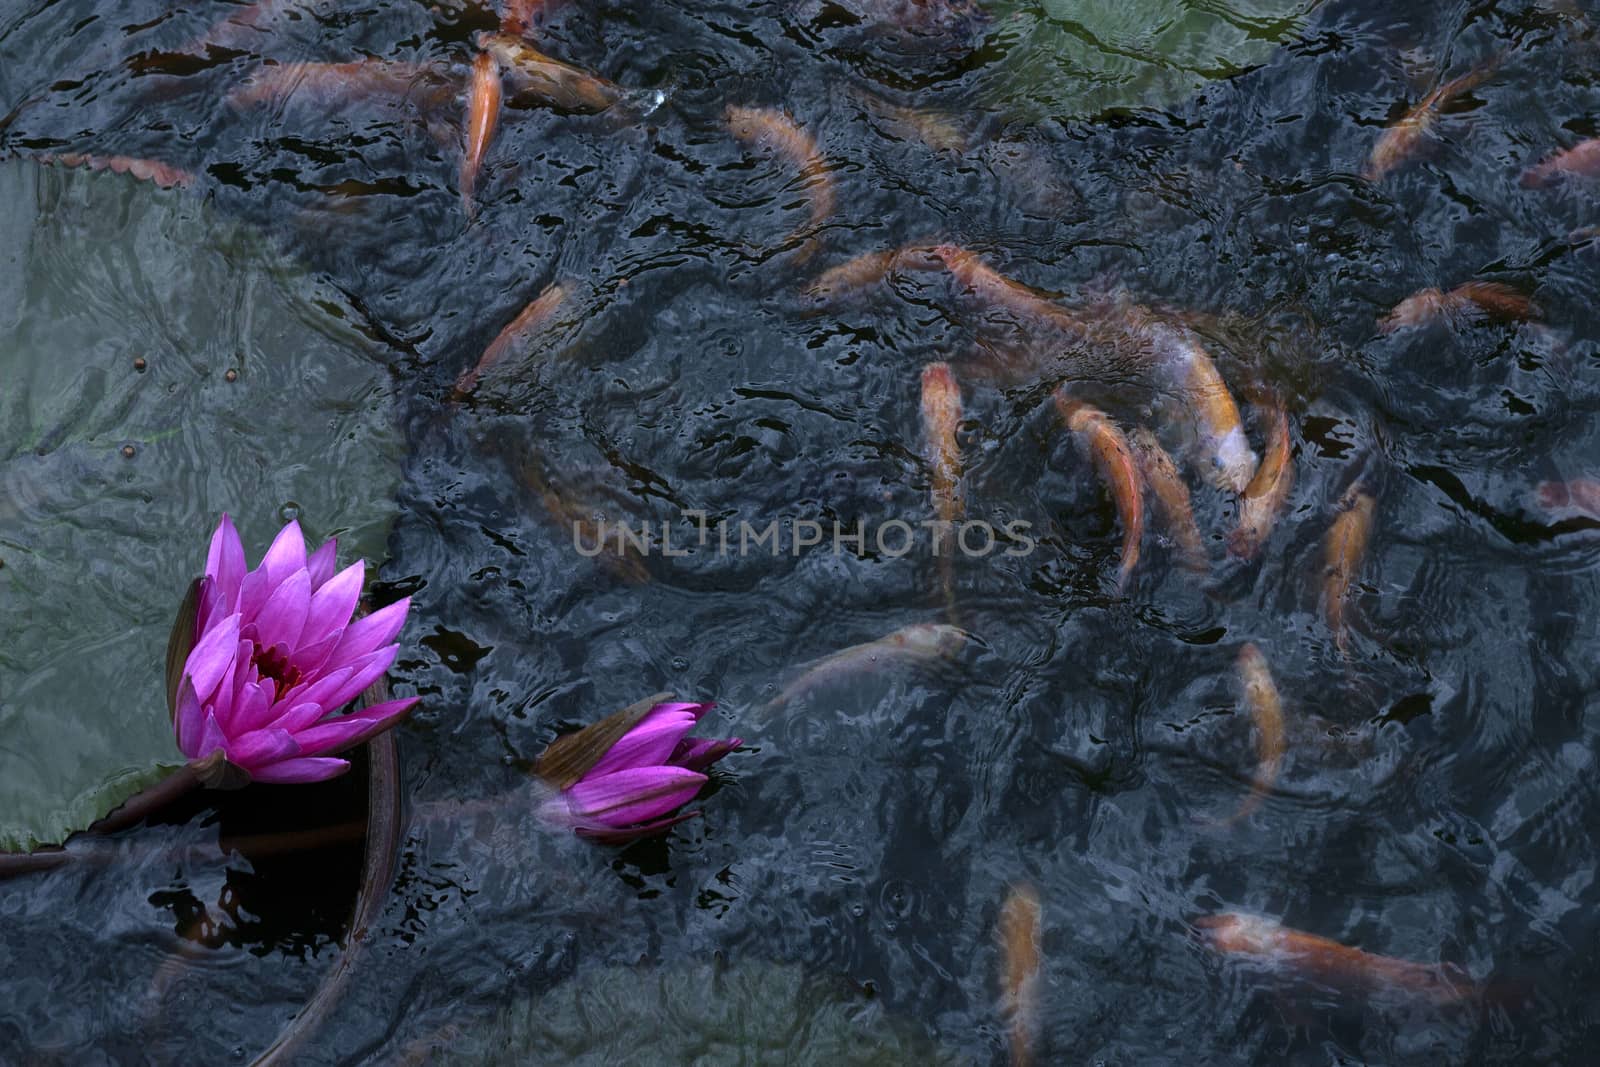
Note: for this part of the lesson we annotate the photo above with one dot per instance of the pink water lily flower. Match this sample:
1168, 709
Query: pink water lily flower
277, 654
651, 771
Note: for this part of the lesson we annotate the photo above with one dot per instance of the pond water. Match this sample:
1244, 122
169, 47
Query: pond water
838, 899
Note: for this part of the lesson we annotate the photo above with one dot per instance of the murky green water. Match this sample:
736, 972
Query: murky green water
1435, 795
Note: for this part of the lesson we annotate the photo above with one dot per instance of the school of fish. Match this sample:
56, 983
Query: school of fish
1150, 460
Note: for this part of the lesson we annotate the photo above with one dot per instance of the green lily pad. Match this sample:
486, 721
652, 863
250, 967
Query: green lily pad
112, 479
704, 1014
1077, 58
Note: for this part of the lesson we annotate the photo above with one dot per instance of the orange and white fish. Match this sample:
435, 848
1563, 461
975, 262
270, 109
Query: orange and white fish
530, 319
1266, 712
1400, 141
1177, 354
1582, 159
919, 642
1343, 551
1111, 454
1329, 963
1469, 300
1171, 495
779, 132
536, 78
483, 112
1263, 499
1018, 931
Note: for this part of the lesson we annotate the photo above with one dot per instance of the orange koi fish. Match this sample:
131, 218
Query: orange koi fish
865, 272
1343, 551
530, 319
1171, 496
1581, 495
536, 78
163, 174
1328, 962
1582, 159
941, 417
1401, 140
483, 112
995, 288
365, 77
1018, 931
938, 130
780, 133
516, 16
1115, 460
1263, 499
1266, 711
1470, 300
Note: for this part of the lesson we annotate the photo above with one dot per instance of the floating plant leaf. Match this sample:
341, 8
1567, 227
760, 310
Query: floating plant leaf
1075, 58
256, 391
706, 1014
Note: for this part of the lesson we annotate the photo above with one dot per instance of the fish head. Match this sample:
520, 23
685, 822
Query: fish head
1238, 932
1232, 464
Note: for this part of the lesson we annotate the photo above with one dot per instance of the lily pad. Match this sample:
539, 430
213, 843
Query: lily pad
705, 1014
112, 477
1077, 58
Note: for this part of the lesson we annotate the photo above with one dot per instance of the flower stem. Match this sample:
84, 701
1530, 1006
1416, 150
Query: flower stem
134, 810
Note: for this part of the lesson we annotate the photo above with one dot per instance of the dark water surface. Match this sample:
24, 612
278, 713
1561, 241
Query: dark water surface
1438, 795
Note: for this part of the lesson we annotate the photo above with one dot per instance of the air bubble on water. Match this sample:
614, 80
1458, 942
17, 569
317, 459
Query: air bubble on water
289, 512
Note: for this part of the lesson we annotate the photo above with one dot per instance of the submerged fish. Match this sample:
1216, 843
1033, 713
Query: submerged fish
1266, 712
1401, 140
245, 28
1328, 962
577, 510
919, 642
1171, 495
363, 77
1111, 454
988, 284
1582, 158
865, 272
517, 16
536, 78
1263, 499
163, 174
1343, 551
1176, 353
940, 131
530, 319
1018, 931
941, 417
1580, 495
483, 112
775, 130
1470, 300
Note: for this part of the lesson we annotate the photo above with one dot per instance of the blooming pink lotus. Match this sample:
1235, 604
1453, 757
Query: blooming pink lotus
277, 654
652, 770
